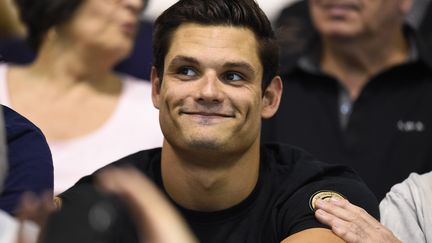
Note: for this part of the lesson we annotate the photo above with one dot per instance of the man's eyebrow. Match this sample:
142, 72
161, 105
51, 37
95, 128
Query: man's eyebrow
181, 60
242, 65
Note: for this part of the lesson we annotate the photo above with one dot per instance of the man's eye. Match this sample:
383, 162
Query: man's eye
187, 71
233, 77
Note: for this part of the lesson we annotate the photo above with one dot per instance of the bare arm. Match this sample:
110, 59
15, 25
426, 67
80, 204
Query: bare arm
352, 223
313, 235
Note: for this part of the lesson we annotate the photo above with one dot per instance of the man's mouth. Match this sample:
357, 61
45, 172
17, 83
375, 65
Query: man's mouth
208, 114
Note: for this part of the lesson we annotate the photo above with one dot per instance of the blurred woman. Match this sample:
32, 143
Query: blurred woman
90, 115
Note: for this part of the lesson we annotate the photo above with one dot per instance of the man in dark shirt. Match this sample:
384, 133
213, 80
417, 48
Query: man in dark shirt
361, 95
214, 79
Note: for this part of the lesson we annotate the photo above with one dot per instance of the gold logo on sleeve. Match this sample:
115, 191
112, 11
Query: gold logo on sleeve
323, 195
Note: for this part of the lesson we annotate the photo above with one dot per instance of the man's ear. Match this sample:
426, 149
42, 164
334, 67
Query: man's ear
405, 6
156, 86
271, 98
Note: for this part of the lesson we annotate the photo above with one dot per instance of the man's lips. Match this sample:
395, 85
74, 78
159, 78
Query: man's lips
207, 114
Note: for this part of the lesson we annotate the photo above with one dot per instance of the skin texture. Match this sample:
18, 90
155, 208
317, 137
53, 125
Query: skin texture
352, 223
207, 103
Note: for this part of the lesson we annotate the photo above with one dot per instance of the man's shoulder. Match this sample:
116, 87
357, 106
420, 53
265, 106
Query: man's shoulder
298, 179
295, 168
292, 158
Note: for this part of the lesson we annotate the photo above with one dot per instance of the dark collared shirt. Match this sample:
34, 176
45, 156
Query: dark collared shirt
388, 131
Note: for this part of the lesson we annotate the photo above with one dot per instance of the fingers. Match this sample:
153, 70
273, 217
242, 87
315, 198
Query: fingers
155, 215
34, 208
352, 223
346, 211
341, 228
139, 191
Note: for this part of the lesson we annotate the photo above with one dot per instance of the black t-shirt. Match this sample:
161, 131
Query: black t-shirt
278, 207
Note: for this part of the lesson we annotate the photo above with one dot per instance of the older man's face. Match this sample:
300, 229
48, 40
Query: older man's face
347, 19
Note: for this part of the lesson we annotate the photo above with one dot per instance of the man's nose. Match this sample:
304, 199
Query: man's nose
210, 89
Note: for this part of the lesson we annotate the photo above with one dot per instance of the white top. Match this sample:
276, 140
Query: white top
406, 210
8, 228
133, 126
11, 227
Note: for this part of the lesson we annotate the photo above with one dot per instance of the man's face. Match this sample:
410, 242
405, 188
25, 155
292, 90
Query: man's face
356, 18
210, 98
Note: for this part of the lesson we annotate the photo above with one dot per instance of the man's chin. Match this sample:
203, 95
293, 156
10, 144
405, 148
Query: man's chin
206, 144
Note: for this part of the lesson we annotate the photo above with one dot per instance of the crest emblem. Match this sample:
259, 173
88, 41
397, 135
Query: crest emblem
324, 195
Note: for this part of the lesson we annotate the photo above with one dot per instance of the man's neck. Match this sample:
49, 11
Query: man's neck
355, 62
209, 183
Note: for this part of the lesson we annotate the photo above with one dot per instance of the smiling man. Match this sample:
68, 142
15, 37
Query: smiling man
214, 79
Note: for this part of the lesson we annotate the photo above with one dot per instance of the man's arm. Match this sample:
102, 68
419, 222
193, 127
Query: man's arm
313, 235
352, 223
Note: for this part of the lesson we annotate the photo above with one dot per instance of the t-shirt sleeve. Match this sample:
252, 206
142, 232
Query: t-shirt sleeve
298, 213
29, 159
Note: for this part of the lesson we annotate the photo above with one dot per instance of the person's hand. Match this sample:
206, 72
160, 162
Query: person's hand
351, 223
157, 220
36, 208
33, 212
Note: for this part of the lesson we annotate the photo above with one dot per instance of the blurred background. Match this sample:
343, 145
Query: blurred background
271, 7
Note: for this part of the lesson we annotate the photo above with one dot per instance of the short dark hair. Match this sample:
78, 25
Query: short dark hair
242, 13
41, 15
